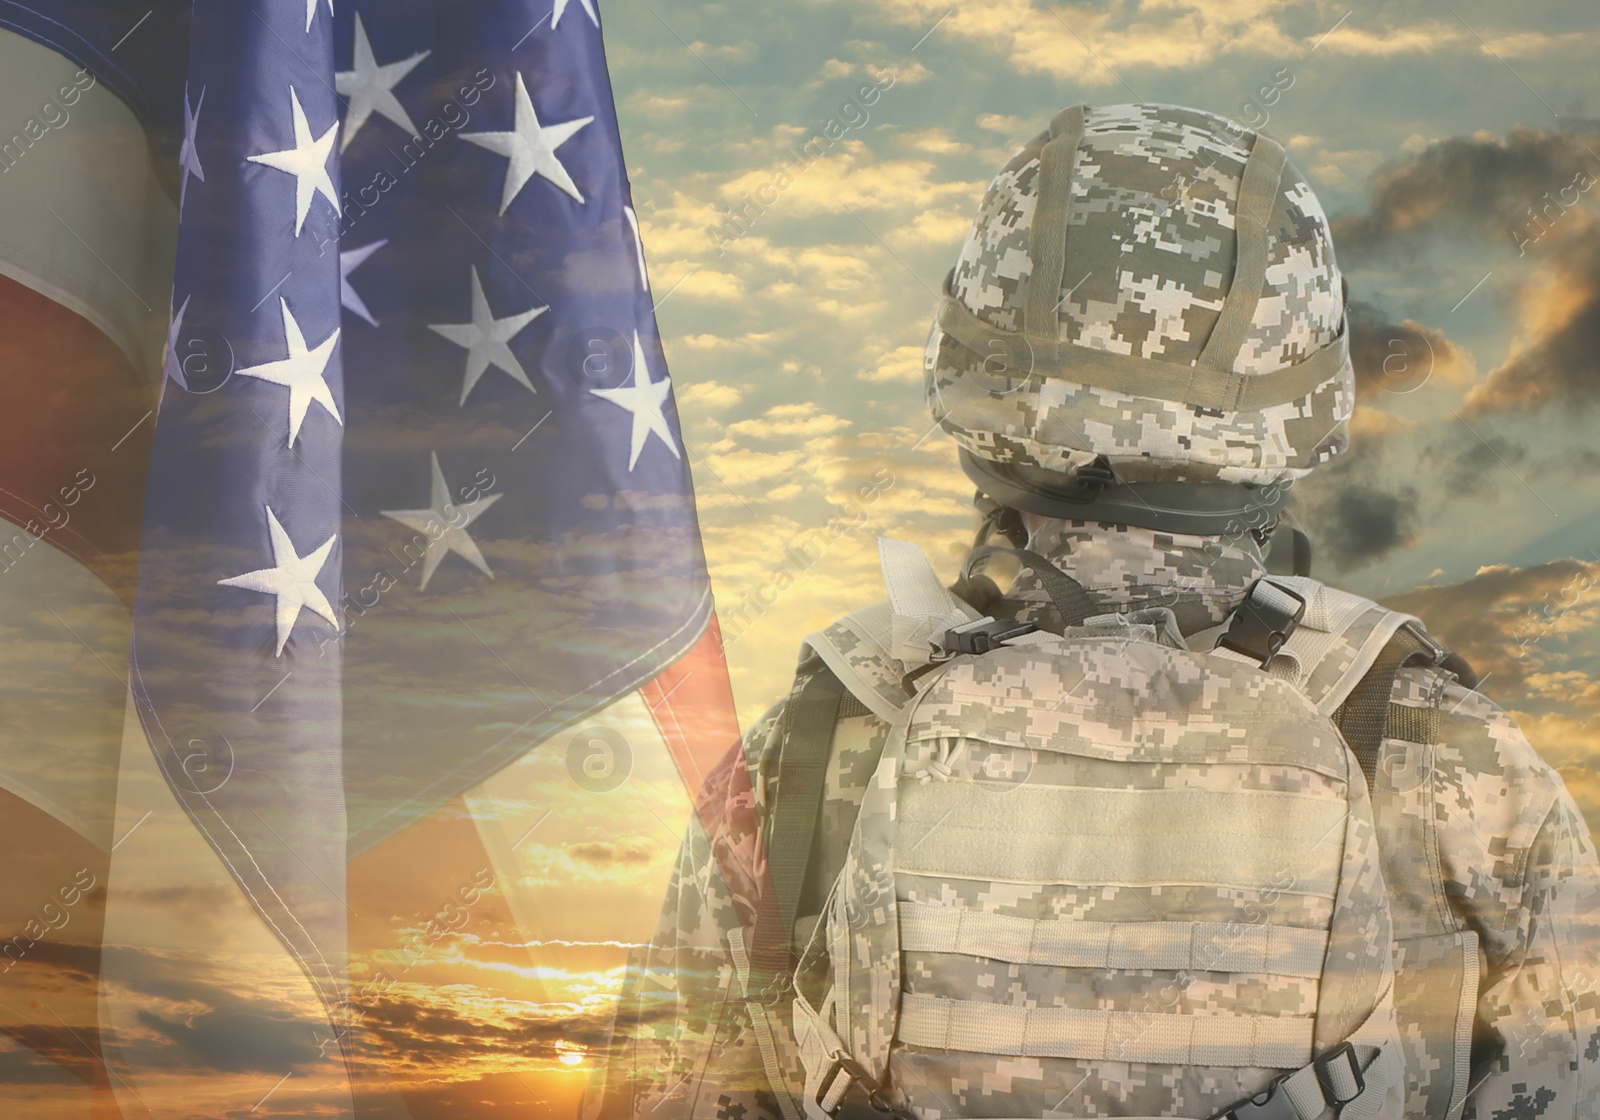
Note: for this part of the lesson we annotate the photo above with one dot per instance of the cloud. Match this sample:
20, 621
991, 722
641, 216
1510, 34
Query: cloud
1354, 510
604, 853
1090, 46
1360, 524
1401, 357
1556, 355
1481, 184
703, 397
1530, 193
903, 364
1469, 465
934, 141
789, 421
239, 1039
1511, 622
1004, 125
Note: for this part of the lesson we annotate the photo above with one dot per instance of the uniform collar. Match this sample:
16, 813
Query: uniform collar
1202, 579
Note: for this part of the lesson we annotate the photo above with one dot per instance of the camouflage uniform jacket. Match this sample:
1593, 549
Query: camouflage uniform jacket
1492, 874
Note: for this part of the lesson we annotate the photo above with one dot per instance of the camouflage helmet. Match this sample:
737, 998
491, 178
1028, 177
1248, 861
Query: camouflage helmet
1147, 300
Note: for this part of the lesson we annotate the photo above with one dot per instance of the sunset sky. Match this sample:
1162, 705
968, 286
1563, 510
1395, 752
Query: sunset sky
1433, 135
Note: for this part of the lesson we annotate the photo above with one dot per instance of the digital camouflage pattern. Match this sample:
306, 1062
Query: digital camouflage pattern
1106, 788
1493, 882
1202, 580
1150, 256
1496, 901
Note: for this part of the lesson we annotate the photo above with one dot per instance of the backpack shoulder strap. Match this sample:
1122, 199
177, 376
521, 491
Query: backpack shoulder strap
764, 965
1366, 715
1337, 640
856, 650
810, 720
871, 650
1344, 656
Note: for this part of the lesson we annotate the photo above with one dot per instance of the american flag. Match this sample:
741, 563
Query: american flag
418, 498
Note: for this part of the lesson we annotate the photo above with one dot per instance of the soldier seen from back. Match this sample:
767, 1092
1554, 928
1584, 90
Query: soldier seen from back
1158, 826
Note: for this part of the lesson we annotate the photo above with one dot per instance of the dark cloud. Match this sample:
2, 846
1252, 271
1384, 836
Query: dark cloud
412, 1035
241, 1039
233, 1027
1398, 358
1471, 461
1356, 511
1366, 524
1531, 193
1560, 312
28, 1065
1492, 187
76, 962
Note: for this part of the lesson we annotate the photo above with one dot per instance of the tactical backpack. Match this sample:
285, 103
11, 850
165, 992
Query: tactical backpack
1095, 873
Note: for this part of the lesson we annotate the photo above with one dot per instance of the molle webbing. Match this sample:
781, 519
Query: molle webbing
1364, 716
1071, 835
1200, 946
1411, 724
1272, 1042
813, 715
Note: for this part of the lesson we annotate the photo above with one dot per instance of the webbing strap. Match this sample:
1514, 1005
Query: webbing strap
1038, 833
1200, 386
923, 607
1364, 715
1072, 600
1130, 946
761, 1023
1412, 724
1047, 245
1275, 1042
1380, 1069
1258, 194
812, 717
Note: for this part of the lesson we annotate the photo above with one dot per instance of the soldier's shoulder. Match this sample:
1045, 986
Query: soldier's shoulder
1484, 765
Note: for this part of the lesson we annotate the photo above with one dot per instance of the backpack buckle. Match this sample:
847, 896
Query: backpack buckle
1264, 621
983, 636
1337, 1079
877, 1108
1338, 1076
1272, 1103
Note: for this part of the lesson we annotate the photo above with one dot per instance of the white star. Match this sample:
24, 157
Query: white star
449, 520
307, 161
311, 12
302, 373
485, 339
369, 87
644, 399
561, 6
349, 261
531, 148
174, 368
188, 157
292, 578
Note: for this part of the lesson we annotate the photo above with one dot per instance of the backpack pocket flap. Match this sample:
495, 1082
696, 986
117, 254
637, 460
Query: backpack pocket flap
1128, 701
1052, 834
